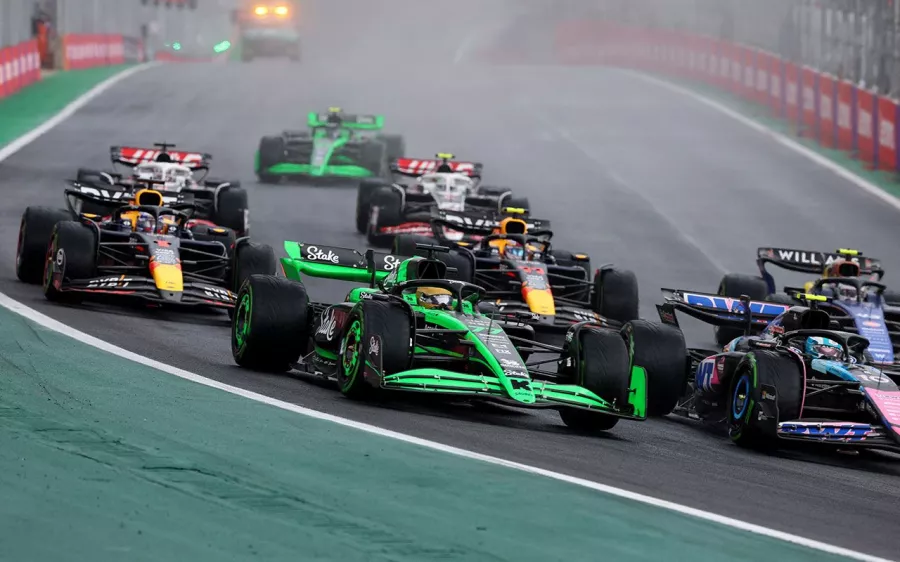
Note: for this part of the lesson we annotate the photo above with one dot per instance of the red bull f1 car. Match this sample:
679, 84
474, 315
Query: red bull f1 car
384, 210
138, 249
802, 378
180, 176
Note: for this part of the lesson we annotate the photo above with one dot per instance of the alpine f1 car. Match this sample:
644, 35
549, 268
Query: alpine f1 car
216, 202
413, 329
849, 281
803, 378
337, 145
513, 259
385, 210
268, 29
138, 248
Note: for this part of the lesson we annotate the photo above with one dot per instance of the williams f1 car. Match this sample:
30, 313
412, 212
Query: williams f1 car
513, 259
850, 283
137, 249
802, 378
337, 145
179, 175
413, 329
385, 210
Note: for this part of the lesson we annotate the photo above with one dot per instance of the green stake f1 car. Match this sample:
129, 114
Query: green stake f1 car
413, 329
337, 145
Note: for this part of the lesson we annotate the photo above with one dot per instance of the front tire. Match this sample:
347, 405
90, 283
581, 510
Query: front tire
601, 367
271, 153
660, 349
270, 327
756, 369
389, 321
388, 205
364, 193
73, 246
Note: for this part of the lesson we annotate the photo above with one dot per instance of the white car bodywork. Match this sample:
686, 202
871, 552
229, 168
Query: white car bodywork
176, 176
449, 190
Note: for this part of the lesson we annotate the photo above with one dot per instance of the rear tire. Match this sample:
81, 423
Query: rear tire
374, 158
782, 298
615, 294
661, 351
232, 210
252, 259
390, 213
366, 190
759, 368
78, 244
270, 328
35, 230
604, 370
271, 152
891, 297
385, 319
734, 285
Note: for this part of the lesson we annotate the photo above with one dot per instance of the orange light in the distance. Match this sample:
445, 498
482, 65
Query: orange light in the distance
281, 11
261, 10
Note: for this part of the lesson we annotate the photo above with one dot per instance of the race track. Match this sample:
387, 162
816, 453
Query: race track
625, 170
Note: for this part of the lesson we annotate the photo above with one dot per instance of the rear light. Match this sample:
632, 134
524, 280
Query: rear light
281, 11
261, 10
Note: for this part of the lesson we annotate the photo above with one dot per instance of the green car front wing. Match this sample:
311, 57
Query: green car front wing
342, 264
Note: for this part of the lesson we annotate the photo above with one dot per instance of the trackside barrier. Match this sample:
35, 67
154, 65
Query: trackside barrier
834, 112
20, 66
82, 51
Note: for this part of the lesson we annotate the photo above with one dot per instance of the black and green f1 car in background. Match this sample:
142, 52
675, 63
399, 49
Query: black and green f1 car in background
413, 328
337, 145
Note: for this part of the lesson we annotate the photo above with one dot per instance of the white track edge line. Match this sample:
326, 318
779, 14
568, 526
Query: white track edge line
51, 324
784, 140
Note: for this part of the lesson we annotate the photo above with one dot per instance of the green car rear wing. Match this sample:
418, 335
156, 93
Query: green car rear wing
348, 121
340, 264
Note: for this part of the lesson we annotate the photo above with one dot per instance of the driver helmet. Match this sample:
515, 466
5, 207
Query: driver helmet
842, 268
167, 224
823, 348
434, 298
145, 223
513, 250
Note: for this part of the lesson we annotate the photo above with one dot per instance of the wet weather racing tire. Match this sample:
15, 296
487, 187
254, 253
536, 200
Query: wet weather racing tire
782, 298
251, 259
395, 146
603, 369
891, 297
271, 152
231, 210
462, 262
270, 328
734, 285
387, 209
366, 190
388, 320
615, 294
78, 244
660, 349
745, 397
35, 230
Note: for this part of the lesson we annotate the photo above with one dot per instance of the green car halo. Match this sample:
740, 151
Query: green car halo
336, 145
380, 338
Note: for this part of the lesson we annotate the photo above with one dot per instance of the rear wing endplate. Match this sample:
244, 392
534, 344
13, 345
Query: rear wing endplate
415, 167
134, 156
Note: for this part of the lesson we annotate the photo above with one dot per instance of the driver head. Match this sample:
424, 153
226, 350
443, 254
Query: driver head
823, 348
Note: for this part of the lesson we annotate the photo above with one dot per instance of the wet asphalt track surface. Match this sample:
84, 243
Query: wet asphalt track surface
624, 170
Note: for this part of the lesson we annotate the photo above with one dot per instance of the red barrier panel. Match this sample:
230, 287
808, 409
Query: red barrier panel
846, 115
87, 51
792, 92
827, 105
809, 79
887, 134
5, 86
776, 85
865, 126
748, 80
761, 70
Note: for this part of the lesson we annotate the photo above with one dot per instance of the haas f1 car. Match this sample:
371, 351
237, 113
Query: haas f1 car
411, 328
384, 210
803, 378
513, 259
850, 283
137, 249
337, 145
180, 176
